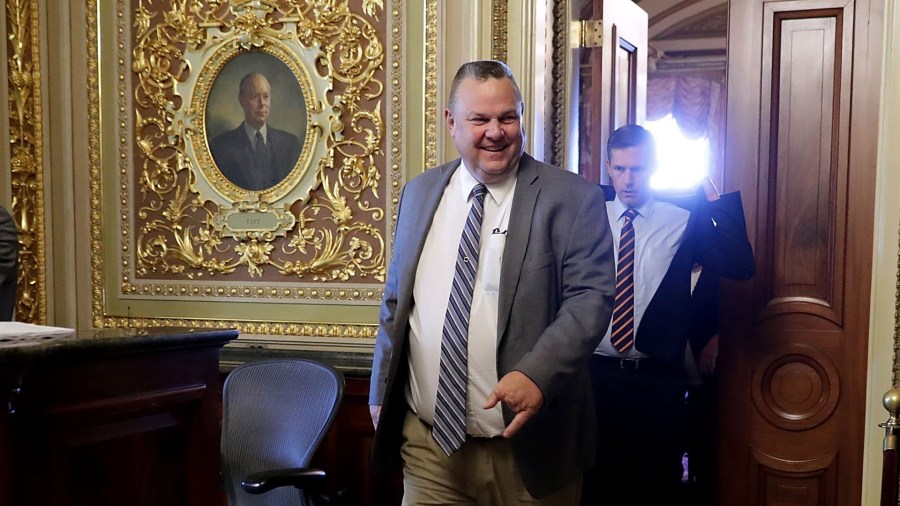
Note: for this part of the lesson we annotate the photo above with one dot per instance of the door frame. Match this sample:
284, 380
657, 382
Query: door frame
885, 305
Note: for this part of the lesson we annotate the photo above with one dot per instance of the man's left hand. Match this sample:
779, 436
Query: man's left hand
521, 395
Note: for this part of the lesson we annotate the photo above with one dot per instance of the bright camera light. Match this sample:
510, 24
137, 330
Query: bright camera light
681, 162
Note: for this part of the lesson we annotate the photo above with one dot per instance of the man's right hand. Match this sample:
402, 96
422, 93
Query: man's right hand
375, 412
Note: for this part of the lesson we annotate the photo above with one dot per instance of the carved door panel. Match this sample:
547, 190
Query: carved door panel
613, 79
794, 339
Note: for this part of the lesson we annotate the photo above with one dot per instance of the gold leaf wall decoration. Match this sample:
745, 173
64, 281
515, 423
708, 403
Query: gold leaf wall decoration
335, 233
320, 236
323, 236
26, 156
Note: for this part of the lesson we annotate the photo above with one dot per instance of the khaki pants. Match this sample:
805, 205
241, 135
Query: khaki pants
482, 472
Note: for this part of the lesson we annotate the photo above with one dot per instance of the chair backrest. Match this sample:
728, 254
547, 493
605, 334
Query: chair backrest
275, 415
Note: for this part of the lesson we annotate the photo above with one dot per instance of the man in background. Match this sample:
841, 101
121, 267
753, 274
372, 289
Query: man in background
498, 291
638, 369
703, 387
255, 156
9, 256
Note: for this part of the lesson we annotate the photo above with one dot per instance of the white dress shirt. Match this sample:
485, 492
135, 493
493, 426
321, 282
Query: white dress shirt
251, 133
431, 292
658, 232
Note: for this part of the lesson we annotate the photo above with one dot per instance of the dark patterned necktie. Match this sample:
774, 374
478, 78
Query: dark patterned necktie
450, 407
622, 333
259, 144
262, 176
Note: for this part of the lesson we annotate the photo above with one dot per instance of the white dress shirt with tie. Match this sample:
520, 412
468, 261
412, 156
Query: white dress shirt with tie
658, 231
431, 292
251, 133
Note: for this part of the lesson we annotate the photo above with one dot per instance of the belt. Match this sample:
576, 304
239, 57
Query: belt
630, 364
430, 427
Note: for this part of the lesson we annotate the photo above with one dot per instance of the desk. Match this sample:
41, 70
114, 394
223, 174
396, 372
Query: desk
112, 417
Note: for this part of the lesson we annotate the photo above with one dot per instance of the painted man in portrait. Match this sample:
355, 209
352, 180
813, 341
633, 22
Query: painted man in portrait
254, 156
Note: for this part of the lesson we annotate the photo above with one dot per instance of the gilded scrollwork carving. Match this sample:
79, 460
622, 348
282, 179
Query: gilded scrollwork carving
260, 328
25, 144
558, 83
431, 109
397, 111
321, 222
499, 36
895, 380
324, 251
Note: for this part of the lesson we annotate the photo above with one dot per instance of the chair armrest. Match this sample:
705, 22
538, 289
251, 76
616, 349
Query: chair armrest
305, 478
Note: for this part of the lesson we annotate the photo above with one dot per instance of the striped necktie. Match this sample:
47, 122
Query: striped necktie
622, 333
450, 408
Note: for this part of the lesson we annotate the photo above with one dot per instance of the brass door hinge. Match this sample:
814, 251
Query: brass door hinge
588, 33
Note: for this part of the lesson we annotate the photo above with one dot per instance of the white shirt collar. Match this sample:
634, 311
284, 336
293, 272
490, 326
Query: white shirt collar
645, 209
498, 191
251, 132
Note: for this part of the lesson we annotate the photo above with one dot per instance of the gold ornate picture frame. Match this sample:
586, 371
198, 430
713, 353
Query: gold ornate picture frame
245, 210
304, 256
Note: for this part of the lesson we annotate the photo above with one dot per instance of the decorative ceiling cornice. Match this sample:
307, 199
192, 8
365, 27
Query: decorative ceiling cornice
707, 24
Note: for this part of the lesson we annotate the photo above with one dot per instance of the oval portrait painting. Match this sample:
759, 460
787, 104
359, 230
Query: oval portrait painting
255, 121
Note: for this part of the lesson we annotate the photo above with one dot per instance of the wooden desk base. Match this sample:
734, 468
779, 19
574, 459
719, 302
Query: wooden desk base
124, 426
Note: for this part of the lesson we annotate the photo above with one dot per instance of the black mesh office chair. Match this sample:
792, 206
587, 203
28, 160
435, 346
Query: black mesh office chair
275, 415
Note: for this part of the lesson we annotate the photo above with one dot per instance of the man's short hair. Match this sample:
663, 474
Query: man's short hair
482, 70
630, 136
246, 80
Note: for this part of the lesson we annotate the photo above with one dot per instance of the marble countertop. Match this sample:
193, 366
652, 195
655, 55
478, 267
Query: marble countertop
94, 342
97, 342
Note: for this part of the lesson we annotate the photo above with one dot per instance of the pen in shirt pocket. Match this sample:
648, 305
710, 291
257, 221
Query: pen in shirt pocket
498, 231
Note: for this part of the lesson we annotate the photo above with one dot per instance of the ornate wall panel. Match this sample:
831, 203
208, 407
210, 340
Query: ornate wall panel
304, 252
26, 156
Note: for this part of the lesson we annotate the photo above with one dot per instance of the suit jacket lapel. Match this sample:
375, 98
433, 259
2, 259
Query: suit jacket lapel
518, 232
244, 151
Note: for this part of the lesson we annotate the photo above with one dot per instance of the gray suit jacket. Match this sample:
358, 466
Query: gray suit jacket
556, 288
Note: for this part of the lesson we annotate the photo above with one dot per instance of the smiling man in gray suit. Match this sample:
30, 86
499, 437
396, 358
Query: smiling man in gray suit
496, 327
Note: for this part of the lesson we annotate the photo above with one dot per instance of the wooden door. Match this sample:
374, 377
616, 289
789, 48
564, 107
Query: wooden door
803, 88
613, 89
